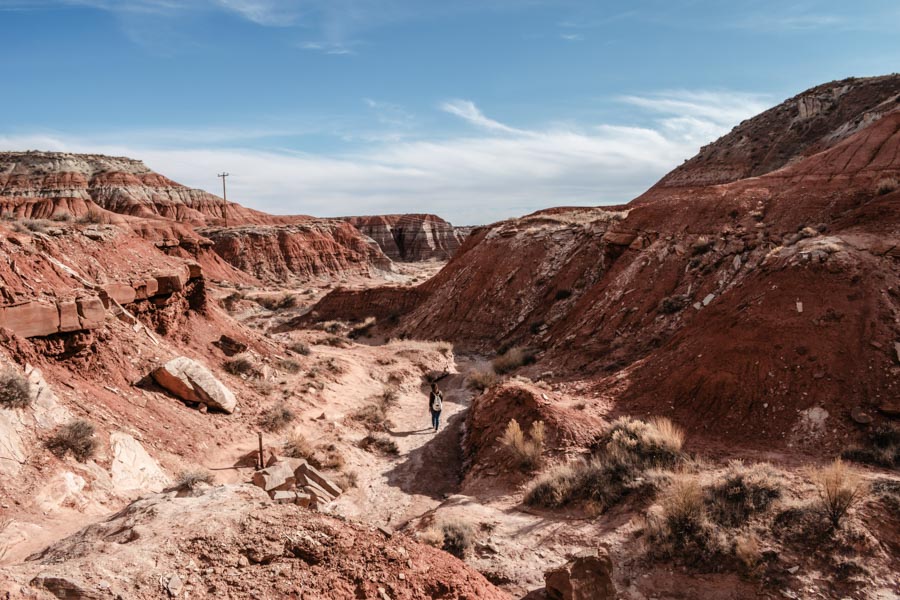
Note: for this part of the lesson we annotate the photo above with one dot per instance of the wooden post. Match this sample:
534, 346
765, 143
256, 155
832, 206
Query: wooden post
262, 461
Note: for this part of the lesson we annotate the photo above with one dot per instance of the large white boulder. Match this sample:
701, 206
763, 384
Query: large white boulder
132, 468
191, 381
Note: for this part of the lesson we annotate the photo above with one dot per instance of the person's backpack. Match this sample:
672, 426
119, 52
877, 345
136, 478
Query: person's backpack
437, 402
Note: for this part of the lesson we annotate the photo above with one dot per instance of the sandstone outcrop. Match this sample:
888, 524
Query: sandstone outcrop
191, 381
410, 237
314, 248
43, 184
227, 540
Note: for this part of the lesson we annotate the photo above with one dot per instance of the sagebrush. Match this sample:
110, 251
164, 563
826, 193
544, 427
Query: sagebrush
75, 437
15, 391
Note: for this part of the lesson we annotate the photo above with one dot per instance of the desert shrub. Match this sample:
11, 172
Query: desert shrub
335, 341
333, 366
882, 448
332, 327
742, 492
562, 294
653, 443
525, 452
886, 185
673, 304
240, 365
287, 301
91, 217
346, 479
76, 437
888, 491
382, 444
433, 536
230, 301
62, 217
372, 416
681, 530
555, 488
299, 348
36, 225
747, 550
263, 387
188, 480
619, 467
15, 391
839, 488
481, 379
276, 418
512, 359
363, 329
458, 537
267, 302
330, 457
288, 365
297, 446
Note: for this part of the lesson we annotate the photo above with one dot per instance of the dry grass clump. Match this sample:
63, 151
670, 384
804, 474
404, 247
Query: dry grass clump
839, 488
241, 364
458, 537
36, 225
382, 444
276, 418
363, 329
681, 530
346, 479
653, 443
624, 464
329, 456
374, 414
297, 446
335, 341
882, 449
15, 391
512, 359
886, 185
76, 437
91, 217
230, 301
188, 480
282, 302
288, 365
743, 492
453, 536
62, 217
300, 348
481, 379
525, 452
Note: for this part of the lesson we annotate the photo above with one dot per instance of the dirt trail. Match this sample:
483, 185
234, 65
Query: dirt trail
428, 468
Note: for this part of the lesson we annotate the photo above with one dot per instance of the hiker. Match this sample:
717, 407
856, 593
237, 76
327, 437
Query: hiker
435, 404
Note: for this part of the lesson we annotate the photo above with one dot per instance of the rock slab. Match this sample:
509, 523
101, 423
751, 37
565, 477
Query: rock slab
191, 381
586, 577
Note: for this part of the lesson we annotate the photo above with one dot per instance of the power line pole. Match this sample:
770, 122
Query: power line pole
223, 175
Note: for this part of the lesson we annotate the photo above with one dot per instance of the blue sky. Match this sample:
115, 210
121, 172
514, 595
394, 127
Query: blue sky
473, 109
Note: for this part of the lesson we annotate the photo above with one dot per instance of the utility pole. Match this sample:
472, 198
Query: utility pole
223, 175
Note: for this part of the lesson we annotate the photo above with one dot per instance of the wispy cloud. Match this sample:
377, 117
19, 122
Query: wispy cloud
334, 48
466, 110
572, 37
497, 172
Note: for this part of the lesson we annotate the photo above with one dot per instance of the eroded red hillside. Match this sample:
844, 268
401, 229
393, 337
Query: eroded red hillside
737, 308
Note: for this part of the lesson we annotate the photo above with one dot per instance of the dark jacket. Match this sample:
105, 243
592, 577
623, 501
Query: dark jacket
431, 400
